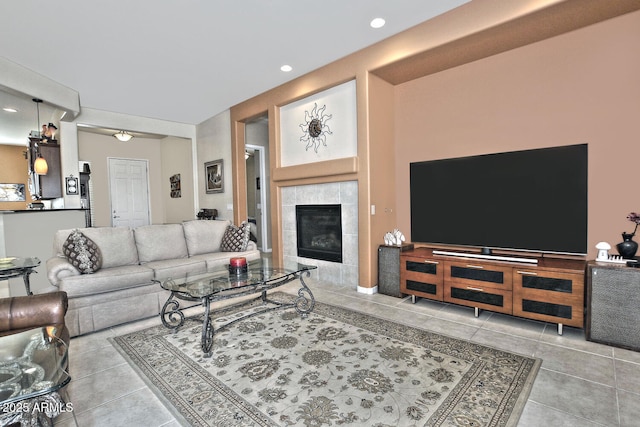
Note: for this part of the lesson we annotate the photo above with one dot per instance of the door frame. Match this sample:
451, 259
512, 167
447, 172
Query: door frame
264, 228
146, 161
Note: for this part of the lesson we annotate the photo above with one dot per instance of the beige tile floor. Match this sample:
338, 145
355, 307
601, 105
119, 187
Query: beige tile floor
580, 383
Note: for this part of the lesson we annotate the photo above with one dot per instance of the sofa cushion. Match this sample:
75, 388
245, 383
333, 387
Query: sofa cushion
106, 280
204, 236
174, 268
235, 239
82, 253
160, 242
220, 260
116, 244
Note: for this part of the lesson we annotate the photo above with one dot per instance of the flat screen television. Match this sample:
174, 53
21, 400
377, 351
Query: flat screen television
531, 200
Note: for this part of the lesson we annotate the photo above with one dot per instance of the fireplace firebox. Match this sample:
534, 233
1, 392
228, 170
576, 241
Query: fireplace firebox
319, 232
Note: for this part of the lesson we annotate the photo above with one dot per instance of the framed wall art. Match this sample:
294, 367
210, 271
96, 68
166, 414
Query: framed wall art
174, 181
12, 193
214, 177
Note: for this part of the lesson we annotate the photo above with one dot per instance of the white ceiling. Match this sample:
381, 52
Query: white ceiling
188, 60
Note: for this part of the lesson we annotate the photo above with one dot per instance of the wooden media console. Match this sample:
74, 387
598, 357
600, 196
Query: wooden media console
550, 290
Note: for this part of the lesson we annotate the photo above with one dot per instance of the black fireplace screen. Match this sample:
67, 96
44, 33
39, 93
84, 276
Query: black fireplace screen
319, 231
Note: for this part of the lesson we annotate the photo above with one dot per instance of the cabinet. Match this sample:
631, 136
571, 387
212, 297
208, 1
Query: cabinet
51, 183
421, 275
479, 285
49, 186
553, 290
549, 295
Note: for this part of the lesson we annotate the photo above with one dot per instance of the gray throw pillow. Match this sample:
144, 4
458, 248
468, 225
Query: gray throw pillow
82, 253
235, 239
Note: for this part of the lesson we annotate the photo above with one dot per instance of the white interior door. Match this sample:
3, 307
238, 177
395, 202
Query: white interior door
129, 190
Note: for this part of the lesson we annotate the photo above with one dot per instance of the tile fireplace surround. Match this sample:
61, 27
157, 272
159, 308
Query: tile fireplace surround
342, 193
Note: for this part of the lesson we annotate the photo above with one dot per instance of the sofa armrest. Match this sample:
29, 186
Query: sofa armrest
33, 311
59, 268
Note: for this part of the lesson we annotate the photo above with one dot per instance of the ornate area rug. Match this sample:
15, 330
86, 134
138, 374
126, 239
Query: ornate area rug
336, 367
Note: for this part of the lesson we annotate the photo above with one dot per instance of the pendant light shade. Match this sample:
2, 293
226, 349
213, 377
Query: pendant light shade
123, 136
40, 166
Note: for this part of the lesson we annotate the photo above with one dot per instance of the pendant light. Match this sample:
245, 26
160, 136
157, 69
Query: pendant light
40, 165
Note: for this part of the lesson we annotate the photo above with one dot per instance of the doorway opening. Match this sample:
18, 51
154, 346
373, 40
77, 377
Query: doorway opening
256, 154
129, 192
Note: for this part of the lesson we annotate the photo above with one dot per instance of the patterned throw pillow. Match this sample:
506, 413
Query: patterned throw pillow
82, 253
235, 239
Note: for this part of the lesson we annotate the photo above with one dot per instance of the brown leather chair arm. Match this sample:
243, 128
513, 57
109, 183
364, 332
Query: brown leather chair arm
32, 311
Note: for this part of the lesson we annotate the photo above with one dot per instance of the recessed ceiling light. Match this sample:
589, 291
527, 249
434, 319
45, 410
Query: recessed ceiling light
10, 110
377, 23
286, 68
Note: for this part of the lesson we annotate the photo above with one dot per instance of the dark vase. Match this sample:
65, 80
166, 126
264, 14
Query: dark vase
627, 248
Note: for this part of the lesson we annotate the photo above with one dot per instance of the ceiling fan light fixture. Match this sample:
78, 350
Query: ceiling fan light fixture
123, 136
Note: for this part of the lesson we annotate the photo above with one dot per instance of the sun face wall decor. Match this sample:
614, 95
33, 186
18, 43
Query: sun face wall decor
315, 127
320, 127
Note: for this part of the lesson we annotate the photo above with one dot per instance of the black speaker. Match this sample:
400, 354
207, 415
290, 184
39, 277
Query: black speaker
389, 269
613, 301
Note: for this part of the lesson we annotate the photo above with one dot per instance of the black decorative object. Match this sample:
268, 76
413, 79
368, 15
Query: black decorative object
628, 247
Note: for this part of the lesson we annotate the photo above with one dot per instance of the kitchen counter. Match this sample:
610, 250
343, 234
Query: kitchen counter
28, 234
41, 210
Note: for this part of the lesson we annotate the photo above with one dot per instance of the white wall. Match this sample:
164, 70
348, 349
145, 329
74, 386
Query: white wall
214, 142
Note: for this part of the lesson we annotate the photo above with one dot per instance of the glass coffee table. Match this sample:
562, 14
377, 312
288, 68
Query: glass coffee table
32, 371
224, 284
15, 267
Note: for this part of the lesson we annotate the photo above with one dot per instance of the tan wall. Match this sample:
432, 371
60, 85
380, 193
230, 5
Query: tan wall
97, 149
13, 170
582, 87
494, 116
177, 159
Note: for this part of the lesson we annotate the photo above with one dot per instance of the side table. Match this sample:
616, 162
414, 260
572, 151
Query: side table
15, 267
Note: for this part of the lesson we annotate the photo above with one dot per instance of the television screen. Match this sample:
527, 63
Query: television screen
531, 200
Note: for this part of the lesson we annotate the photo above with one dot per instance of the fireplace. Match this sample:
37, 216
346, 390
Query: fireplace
319, 232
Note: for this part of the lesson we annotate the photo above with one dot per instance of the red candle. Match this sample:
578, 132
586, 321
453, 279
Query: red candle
238, 262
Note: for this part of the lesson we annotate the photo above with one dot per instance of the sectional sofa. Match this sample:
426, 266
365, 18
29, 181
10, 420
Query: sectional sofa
123, 288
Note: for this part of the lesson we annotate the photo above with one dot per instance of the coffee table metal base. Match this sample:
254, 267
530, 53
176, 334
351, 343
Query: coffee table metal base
172, 314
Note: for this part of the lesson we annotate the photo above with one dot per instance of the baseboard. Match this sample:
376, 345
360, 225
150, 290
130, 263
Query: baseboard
368, 291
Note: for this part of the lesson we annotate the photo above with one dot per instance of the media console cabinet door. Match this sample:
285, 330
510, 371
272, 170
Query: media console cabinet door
549, 296
613, 298
421, 277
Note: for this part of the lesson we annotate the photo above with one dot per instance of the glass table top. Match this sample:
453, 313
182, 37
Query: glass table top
10, 264
32, 363
258, 274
